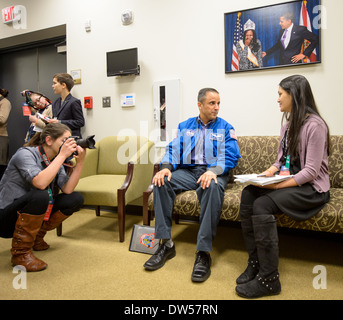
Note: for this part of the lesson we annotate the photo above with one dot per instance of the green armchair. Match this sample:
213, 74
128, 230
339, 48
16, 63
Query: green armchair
116, 173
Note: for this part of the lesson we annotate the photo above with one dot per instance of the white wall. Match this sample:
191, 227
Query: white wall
181, 39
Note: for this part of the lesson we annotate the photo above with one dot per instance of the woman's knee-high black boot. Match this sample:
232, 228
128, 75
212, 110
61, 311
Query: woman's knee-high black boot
251, 271
267, 281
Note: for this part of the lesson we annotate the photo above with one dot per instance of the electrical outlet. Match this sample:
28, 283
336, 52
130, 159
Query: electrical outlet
106, 102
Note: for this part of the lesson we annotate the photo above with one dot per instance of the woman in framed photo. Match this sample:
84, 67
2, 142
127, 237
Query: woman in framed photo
249, 49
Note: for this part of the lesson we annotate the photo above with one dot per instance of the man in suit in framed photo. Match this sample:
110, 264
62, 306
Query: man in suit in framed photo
291, 41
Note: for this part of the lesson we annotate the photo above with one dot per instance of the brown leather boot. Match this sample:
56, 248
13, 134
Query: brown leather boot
26, 229
55, 220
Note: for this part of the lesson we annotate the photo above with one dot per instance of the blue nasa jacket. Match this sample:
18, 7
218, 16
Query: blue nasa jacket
221, 147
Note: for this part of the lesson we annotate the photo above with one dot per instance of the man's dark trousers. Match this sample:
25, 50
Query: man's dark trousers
211, 201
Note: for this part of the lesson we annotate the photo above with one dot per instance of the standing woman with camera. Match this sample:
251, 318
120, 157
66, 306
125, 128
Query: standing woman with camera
30, 204
5, 109
40, 104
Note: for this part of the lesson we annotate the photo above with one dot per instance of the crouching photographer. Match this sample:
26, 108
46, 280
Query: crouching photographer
29, 203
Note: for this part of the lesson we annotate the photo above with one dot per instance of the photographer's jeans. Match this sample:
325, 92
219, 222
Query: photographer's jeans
36, 202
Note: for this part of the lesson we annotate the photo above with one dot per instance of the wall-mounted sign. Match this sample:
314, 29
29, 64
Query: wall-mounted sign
8, 14
76, 75
15, 15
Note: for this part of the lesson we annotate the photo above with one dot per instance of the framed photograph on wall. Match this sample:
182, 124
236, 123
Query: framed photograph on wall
280, 35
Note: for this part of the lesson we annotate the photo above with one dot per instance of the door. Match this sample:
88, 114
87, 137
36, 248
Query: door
31, 69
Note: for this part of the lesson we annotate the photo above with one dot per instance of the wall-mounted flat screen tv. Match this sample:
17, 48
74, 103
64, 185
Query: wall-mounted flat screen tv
122, 62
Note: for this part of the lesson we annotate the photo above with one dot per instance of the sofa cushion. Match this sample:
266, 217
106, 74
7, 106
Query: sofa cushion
100, 189
108, 162
187, 203
336, 161
258, 154
329, 219
116, 151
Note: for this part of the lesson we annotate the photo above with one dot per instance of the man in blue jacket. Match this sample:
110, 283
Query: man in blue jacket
199, 158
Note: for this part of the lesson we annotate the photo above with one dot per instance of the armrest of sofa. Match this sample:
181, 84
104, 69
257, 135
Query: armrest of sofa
128, 178
146, 195
122, 190
155, 170
141, 172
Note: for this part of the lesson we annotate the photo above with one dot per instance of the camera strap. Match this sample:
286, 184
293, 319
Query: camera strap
45, 158
46, 162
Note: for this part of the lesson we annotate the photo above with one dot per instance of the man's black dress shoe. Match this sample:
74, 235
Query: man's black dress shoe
160, 257
202, 267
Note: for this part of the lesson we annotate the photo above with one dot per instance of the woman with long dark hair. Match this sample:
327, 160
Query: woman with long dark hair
30, 201
305, 146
